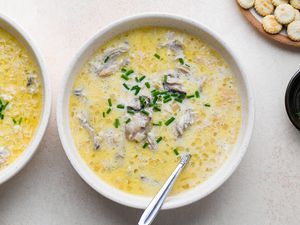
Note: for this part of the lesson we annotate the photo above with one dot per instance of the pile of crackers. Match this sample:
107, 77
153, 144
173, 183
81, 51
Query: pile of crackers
277, 15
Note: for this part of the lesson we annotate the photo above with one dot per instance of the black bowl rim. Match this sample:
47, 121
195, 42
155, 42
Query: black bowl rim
295, 121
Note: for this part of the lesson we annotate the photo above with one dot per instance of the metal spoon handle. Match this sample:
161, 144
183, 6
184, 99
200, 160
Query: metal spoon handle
156, 203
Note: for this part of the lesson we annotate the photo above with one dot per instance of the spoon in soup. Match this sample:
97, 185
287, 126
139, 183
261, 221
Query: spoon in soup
156, 203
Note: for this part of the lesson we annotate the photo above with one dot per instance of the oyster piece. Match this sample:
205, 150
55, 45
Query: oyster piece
86, 125
185, 121
151, 141
108, 63
137, 129
174, 84
32, 84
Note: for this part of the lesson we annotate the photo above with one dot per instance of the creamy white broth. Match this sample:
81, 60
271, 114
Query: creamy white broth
20, 98
147, 96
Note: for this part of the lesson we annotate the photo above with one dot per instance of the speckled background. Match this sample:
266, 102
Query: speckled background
264, 190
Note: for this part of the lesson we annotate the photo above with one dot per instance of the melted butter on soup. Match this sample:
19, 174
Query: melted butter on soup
20, 98
146, 97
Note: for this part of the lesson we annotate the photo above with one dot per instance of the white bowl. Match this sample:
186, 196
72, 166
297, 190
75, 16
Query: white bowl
106, 34
23, 38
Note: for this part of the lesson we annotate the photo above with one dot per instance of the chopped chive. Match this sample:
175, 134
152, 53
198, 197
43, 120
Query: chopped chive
167, 100
157, 56
157, 124
128, 72
14, 121
120, 106
145, 145
190, 96
176, 151
187, 65
20, 120
142, 78
136, 79
181, 61
147, 85
117, 123
145, 112
178, 100
128, 120
137, 90
123, 70
103, 114
108, 111
163, 92
126, 86
109, 102
169, 121
207, 105
165, 78
197, 94
106, 59
130, 111
154, 100
124, 77
158, 139
156, 109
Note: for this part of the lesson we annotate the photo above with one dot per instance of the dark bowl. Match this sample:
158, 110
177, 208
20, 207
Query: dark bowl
292, 100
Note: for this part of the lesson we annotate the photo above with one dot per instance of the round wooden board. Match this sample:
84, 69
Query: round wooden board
276, 37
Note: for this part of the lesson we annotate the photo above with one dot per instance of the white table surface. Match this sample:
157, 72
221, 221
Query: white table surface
264, 190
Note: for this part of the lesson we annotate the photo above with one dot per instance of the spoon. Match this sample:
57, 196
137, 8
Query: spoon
156, 203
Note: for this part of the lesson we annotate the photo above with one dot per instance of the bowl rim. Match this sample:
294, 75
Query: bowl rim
18, 32
288, 96
127, 199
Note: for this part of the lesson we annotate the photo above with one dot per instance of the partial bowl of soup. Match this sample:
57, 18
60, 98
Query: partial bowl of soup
25, 98
142, 92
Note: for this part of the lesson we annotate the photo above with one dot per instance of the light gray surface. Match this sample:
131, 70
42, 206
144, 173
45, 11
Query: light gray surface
265, 189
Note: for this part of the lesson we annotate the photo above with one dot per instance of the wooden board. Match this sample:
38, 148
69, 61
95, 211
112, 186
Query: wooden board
276, 37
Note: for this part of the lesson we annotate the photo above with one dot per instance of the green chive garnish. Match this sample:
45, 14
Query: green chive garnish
197, 94
145, 145
142, 78
156, 109
17, 122
103, 114
158, 139
130, 111
147, 85
128, 72
181, 61
108, 111
178, 100
165, 78
117, 123
190, 96
106, 59
109, 102
157, 56
126, 86
123, 70
157, 124
120, 106
128, 120
124, 77
207, 105
167, 100
136, 79
169, 121
176, 151
145, 112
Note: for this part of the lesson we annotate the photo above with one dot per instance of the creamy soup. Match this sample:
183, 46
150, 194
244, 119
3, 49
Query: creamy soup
146, 97
20, 98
